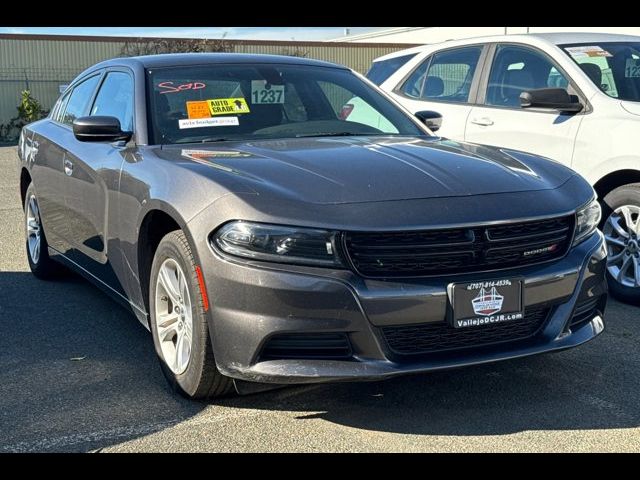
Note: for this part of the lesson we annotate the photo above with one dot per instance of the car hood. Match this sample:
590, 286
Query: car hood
332, 170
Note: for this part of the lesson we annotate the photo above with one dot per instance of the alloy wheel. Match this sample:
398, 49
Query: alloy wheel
173, 316
621, 231
34, 229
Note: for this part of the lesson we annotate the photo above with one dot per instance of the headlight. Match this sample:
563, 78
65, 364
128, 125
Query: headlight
587, 220
275, 243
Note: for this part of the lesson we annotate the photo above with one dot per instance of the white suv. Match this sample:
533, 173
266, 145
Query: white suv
581, 107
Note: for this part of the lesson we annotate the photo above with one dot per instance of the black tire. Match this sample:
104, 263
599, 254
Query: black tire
625, 195
201, 379
43, 267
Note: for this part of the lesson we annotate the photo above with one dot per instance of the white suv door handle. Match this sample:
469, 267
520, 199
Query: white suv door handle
485, 121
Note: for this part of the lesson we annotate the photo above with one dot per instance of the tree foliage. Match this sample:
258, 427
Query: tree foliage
296, 51
154, 46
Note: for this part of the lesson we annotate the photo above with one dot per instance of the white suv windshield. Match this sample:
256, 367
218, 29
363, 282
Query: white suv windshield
613, 66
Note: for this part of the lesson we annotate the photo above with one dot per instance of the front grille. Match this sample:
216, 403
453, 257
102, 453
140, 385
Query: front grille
440, 336
585, 311
307, 345
458, 250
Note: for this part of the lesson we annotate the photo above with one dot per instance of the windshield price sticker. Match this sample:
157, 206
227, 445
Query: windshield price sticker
588, 51
198, 110
632, 68
208, 122
225, 106
263, 92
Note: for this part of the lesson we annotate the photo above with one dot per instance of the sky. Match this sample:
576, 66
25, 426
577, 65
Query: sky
253, 33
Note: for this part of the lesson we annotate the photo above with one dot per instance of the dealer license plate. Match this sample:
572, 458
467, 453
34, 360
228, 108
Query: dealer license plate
488, 302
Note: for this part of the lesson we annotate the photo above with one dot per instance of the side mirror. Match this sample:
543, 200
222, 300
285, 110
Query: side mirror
433, 120
551, 98
99, 129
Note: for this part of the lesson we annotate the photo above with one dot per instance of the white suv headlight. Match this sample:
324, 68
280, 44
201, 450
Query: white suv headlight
587, 220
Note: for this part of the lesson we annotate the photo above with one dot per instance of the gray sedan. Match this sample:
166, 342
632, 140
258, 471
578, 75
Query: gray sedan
264, 236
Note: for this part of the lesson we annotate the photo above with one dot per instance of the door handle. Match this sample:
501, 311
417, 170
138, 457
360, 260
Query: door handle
484, 121
68, 167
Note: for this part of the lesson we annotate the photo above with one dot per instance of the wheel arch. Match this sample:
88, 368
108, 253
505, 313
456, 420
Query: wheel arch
615, 179
25, 181
156, 221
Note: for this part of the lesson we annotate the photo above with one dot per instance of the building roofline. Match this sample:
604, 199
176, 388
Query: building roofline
281, 43
373, 34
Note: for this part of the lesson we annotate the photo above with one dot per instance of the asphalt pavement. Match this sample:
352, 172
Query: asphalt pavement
78, 373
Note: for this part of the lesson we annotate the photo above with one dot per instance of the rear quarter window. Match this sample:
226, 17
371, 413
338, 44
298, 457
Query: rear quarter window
382, 70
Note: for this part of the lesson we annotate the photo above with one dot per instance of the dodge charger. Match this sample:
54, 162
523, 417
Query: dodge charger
267, 237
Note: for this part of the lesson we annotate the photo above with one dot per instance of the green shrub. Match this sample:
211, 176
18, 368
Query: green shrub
29, 110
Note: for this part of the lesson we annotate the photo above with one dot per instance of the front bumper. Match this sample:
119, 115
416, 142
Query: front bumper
252, 302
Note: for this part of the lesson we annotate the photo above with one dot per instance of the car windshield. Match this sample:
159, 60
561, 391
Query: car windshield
613, 66
220, 102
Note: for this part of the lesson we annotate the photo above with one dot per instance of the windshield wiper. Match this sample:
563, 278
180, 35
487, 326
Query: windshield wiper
206, 140
215, 139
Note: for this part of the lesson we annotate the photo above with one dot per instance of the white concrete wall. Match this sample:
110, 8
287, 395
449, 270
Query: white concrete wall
441, 34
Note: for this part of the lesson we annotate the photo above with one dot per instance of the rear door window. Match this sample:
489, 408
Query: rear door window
446, 76
78, 103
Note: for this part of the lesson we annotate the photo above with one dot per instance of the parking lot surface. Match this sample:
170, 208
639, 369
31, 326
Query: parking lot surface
78, 373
